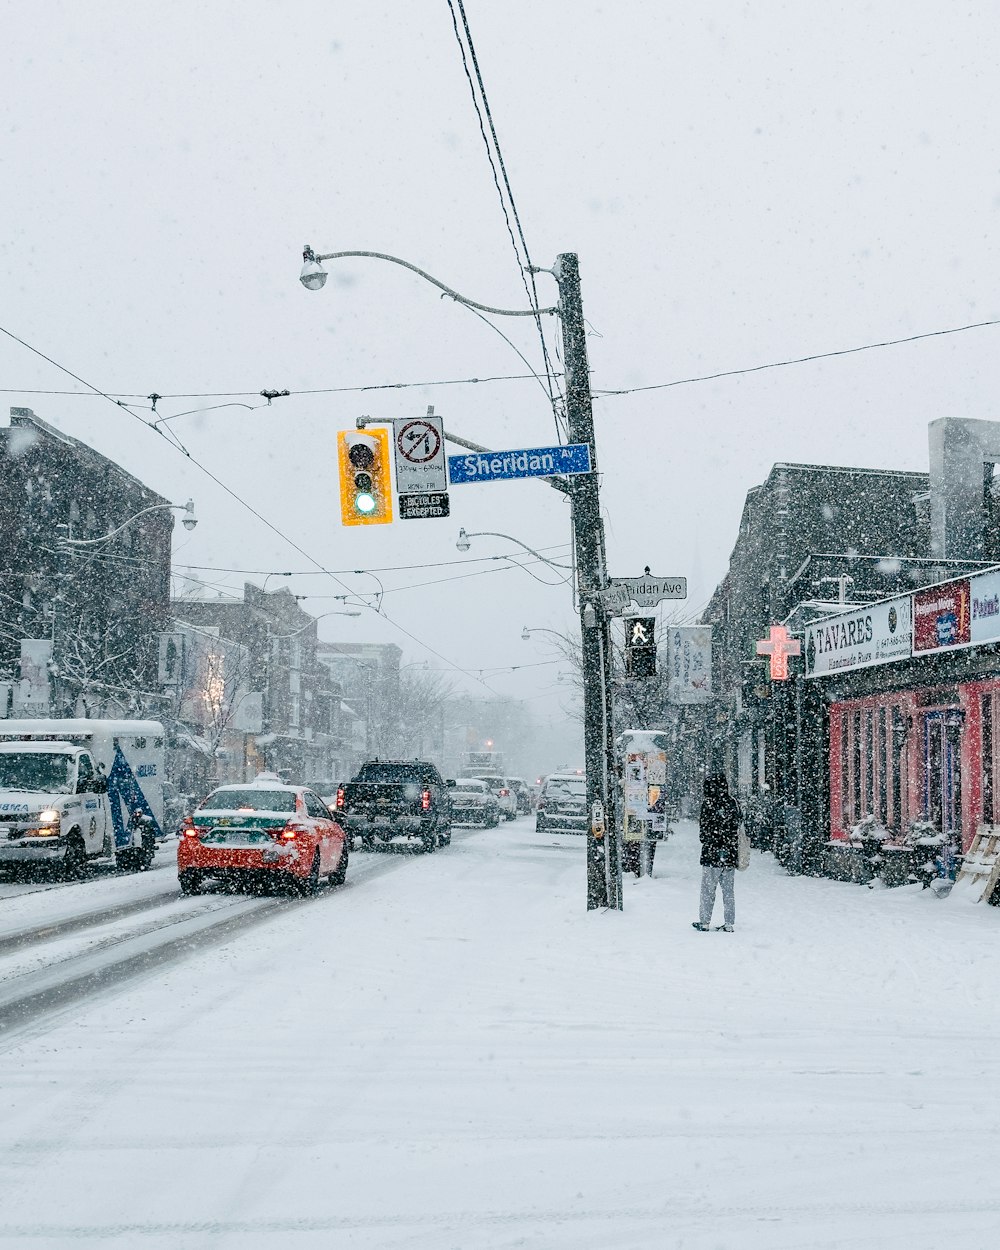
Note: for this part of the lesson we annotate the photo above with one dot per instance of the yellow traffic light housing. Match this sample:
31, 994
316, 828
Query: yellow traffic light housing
365, 476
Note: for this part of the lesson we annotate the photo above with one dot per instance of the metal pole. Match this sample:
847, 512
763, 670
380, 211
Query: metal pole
603, 862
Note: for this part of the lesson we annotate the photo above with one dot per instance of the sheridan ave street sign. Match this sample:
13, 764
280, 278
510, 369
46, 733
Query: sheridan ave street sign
644, 591
503, 466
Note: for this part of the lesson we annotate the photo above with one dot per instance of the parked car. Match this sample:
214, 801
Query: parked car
522, 794
259, 834
505, 795
473, 803
562, 804
393, 798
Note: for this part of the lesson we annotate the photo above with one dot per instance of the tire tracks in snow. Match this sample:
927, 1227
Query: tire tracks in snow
29, 999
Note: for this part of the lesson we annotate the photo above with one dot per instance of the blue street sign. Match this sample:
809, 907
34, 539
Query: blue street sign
502, 466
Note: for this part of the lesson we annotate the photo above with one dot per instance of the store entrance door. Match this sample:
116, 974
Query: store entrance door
943, 773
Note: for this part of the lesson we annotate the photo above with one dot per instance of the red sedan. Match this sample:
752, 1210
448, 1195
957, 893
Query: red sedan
262, 834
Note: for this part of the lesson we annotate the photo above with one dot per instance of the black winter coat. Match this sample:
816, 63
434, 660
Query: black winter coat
719, 825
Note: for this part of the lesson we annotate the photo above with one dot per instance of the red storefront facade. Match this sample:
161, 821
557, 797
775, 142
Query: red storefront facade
914, 730
931, 753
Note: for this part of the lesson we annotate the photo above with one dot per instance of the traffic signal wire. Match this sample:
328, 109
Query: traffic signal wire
321, 390
173, 441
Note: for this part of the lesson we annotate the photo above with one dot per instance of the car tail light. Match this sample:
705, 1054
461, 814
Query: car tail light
340, 797
425, 801
189, 829
291, 831
504, 793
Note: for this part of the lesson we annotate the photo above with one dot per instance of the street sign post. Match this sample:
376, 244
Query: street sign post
421, 469
504, 466
418, 443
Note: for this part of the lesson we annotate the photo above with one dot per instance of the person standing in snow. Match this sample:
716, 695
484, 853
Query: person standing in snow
718, 825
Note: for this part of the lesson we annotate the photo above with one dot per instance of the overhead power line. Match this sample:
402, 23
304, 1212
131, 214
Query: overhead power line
522, 254
797, 360
599, 393
323, 390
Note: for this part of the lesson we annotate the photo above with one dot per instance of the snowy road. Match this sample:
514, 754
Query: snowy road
450, 1052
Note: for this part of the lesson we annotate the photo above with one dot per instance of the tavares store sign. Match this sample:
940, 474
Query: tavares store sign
873, 634
964, 612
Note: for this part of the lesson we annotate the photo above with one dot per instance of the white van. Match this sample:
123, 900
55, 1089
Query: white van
76, 792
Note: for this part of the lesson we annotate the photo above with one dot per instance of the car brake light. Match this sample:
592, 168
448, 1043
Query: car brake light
504, 793
291, 831
340, 796
191, 830
425, 800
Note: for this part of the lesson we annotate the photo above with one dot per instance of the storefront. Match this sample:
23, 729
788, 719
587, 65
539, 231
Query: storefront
913, 693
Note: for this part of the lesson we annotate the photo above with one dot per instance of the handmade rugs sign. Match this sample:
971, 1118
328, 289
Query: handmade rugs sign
874, 634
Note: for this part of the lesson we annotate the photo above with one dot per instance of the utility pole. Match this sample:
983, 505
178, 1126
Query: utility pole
603, 853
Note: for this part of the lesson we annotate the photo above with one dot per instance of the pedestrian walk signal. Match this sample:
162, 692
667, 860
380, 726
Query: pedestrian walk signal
365, 482
640, 646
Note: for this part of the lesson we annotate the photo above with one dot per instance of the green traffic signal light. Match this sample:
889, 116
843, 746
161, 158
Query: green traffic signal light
365, 482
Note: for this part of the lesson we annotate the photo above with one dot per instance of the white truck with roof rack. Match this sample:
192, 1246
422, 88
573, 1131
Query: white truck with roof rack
78, 792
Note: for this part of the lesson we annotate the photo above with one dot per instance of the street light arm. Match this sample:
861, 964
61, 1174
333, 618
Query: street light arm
511, 539
309, 255
526, 633
295, 633
157, 507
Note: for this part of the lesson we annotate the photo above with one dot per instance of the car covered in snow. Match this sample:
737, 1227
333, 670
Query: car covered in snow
522, 795
473, 803
504, 792
262, 834
562, 804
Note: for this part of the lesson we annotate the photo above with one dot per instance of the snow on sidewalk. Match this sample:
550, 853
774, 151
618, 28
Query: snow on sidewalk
455, 1054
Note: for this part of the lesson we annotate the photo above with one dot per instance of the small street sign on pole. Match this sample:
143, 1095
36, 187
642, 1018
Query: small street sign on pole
505, 466
644, 592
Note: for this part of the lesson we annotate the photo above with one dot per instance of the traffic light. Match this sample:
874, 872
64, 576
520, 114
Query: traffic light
640, 646
365, 481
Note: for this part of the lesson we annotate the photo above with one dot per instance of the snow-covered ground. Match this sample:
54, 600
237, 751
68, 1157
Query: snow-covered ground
454, 1053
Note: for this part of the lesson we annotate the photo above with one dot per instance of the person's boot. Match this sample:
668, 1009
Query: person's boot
696, 924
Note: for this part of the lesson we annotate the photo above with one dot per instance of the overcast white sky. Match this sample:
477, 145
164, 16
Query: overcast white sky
743, 184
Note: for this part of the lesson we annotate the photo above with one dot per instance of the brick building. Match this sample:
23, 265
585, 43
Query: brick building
81, 581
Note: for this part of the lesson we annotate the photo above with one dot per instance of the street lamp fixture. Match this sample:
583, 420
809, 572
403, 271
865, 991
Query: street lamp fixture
313, 275
189, 521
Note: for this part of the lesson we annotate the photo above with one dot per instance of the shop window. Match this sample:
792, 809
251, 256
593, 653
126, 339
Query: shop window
987, 715
883, 768
845, 774
856, 811
896, 751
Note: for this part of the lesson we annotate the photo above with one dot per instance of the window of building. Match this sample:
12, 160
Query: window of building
845, 773
856, 758
988, 763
